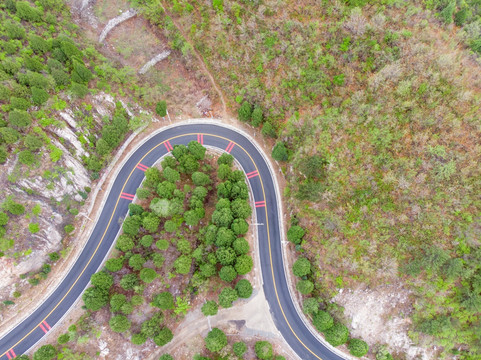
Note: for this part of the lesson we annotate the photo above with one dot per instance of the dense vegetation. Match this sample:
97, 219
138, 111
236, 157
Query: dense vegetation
168, 246
380, 128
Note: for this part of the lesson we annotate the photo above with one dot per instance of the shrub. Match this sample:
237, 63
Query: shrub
78, 91
244, 288
26, 157
3, 219
210, 308
161, 108
215, 340
14, 30
305, 287
14, 208
295, 234
245, 112
166, 357
279, 152
63, 339
45, 352
239, 348
33, 142
119, 323
263, 350
301, 267
148, 275
183, 264
227, 273
117, 301
38, 44
129, 281
80, 73
337, 334
357, 347
164, 337
19, 118
27, 12
322, 320
33, 228
69, 228
227, 296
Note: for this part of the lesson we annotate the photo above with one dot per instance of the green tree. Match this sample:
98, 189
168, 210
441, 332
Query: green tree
26, 157
245, 112
357, 347
129, 281
183, 264
239, 348
117, 301
241, 209
138, 339
240, 226
295, 234
207, 270
78, 91
222, 217
114, 264
148, 275
227, 296
184, 246
143, 193
243, 264
164, 337
151, 223
27, 12
45, 352
19, 118
241, 246
305, 287
102, 280
131, 225
224, 171
337, 334
119, 323
3, 219
95, 298
171, 175
210, 308
310, 306
257, 116
215, 340
80, 73
14, 208
227, 273
226, 159
244, 288
161, 108
263, 350
33, 142
39, 96
158, 259
14, 30
166, 357
225, 255
200, 179
136, 261
224, 237
301, 267
322, 320
146, 241
197, 150
9, 135
162, 244
63, 339
164, 301
279, 152
38, 44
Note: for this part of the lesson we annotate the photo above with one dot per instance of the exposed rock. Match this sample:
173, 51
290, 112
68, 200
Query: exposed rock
115, 21
67, 134
163, 55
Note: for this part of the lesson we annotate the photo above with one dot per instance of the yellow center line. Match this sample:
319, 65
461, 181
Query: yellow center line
110, 221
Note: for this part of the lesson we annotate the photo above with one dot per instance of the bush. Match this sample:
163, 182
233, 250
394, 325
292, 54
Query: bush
14, 30
305, 287
14, 208
45, 352
322, 320
26, 157
166, 357
38, 44
279, 152
19, 118
245, 112
357, 347
295, 234
337, 334
69, 228
33, 228
239, 348
164, 337
227, 273
301, 267
244, 289
161, 108
227, 296
39, 96
210, 308
78, 91
148, 275
119, 323
63, 339
215, 340
263, 350
33, 142
27, 12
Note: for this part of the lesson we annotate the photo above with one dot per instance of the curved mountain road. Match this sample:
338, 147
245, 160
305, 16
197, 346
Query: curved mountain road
129, 178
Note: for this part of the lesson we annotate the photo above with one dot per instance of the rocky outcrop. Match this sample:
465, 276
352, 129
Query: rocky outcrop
115, 21
163, 55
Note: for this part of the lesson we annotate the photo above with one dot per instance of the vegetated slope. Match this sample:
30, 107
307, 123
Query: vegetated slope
59, 126
378, 110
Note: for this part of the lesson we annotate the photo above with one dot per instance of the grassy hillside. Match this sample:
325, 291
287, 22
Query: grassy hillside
377, 106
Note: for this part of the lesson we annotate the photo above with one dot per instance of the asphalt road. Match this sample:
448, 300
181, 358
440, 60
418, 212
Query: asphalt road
295, 333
